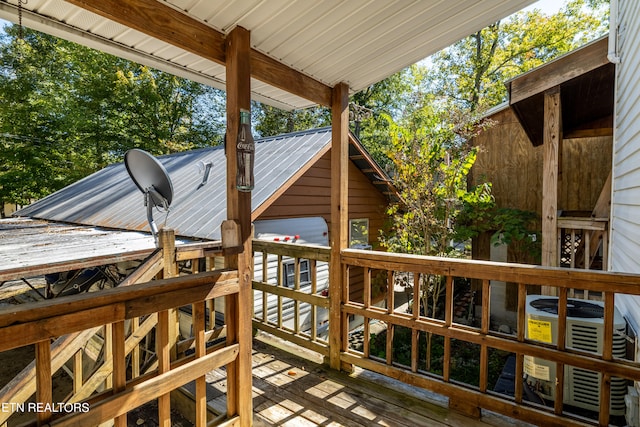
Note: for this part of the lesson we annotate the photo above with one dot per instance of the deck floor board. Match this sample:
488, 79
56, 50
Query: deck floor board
292, 387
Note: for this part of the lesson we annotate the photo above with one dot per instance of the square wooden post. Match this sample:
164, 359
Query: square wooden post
552, 138
339, 218
44, 393
166, 331
238, 308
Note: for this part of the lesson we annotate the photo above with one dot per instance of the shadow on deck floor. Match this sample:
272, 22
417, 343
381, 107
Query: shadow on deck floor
291, 387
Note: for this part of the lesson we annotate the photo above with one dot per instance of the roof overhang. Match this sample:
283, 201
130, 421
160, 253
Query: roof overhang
32, 248
586, 80
300, 50
371, 169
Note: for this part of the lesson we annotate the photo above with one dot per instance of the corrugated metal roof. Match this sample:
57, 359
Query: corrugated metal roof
32, 247
359, 42
109, 198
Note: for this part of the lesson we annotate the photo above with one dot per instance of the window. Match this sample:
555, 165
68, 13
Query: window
290, 273
359, 233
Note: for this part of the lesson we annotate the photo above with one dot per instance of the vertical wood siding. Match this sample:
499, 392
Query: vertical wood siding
513, 165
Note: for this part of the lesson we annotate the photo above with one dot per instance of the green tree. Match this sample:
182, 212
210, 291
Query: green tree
372, 105
270, 121
67, 111
471, 73
35, 96
432, 159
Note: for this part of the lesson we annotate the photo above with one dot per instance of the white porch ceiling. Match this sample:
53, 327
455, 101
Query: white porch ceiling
359, 42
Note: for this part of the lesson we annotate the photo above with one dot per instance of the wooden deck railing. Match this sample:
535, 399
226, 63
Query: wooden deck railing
303, 303
472, 397
70, 320
414, 327
580, 240
583, 238
122, 317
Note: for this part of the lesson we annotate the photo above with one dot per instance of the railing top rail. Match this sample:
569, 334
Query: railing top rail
317, 252
578, 223
508, 272
209, 245
46, 310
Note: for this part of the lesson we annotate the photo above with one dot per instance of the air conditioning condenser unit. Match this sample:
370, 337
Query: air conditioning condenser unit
585, 332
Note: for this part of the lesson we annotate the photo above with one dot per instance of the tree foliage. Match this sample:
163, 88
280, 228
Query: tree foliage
271, 121
387, 98
67, 111
432, 159
430, 154
471, 73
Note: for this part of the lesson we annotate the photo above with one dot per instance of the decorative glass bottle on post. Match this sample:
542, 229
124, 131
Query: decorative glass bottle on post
245, 149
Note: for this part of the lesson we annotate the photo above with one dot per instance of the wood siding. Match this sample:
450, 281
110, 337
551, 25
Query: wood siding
625, 201
625, 233
514, 167
310, 195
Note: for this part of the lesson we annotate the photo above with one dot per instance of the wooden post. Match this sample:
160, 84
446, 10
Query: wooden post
135, 353
77, 371
44, 393
165, 330
339, 217
550, 165
119, 365
164, 365
201, 351
238, 307
108, 344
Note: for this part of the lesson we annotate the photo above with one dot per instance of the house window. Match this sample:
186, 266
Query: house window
359, 233
290, 273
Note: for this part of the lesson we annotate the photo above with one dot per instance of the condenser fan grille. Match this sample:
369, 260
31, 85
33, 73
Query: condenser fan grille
575, 308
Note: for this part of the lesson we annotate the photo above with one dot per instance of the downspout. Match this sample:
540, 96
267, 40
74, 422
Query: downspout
612, 54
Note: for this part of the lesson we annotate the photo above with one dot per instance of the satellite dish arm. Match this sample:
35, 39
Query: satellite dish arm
148, 201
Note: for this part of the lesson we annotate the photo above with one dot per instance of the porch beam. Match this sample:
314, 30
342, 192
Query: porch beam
238, 307
156, 19
588, 58
339, 216
552, 138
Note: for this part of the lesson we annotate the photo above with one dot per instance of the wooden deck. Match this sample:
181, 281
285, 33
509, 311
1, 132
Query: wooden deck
291, 387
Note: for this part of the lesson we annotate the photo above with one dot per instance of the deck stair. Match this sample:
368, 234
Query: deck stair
65, 350
577, 233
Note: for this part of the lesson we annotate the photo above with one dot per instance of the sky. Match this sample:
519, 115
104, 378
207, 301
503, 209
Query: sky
547, 6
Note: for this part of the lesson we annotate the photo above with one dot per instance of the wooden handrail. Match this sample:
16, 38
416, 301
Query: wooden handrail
319, 253
517, 273
594, 234
133, 300
606, 364
270, 286
77, 318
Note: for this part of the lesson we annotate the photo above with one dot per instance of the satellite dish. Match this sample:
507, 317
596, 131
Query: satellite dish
153, 180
